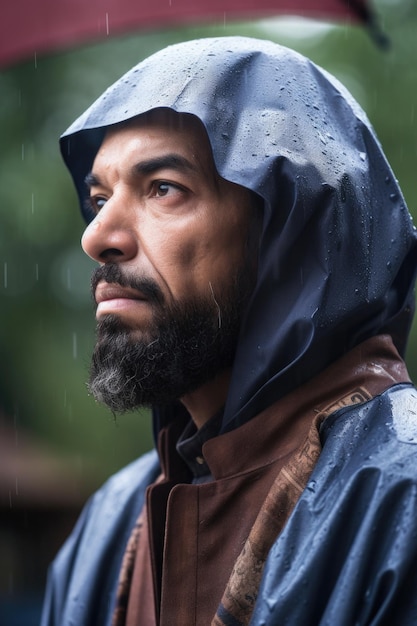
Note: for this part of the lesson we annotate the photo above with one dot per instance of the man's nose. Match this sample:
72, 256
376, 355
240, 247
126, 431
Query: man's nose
109, 237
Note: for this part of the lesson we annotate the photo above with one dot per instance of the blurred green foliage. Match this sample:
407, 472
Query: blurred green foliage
47, 323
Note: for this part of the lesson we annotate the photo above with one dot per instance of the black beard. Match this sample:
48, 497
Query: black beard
188, 344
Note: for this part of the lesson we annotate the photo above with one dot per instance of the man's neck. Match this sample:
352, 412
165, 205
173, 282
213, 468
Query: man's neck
205, 401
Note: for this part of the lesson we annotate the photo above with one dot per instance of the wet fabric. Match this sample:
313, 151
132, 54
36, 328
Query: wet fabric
349, 555
347, 549
337, 256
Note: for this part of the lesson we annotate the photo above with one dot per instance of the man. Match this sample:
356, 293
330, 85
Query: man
255, 287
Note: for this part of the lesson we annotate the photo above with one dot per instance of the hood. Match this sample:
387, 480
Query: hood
337, 256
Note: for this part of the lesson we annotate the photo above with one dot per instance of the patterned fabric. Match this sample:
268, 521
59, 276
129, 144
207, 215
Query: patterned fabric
126, 572
241, 592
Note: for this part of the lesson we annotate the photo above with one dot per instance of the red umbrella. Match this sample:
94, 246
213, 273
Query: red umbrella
31, 27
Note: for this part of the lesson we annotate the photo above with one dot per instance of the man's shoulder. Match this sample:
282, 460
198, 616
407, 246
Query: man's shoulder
102, 532
380, 434
355, 520
136, 475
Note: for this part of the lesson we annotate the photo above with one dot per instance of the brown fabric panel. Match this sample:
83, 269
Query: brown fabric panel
372, 366
242, 588
179, 579
212, 539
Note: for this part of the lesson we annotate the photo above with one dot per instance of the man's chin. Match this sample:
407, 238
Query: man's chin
183, 348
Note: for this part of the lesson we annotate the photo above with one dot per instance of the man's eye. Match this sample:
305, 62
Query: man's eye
97, 202
162, 188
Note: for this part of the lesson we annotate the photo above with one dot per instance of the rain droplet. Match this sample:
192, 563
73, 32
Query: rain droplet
312, 486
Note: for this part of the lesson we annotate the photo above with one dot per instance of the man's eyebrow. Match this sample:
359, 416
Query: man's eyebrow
149, 166
166, 161
91, 180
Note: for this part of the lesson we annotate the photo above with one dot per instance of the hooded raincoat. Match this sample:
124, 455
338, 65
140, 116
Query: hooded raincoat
336, 269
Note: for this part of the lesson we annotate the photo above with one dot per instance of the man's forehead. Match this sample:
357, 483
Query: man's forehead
165, 126
164, 118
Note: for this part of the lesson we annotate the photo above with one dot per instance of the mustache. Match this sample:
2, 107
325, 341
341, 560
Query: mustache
112, 273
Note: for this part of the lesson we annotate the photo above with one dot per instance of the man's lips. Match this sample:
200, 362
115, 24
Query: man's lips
112, 291
111, 297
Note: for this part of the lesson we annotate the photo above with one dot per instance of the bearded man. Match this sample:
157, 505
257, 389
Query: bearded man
256, 267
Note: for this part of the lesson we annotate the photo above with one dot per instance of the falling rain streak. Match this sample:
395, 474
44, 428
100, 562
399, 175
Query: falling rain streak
74, 346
